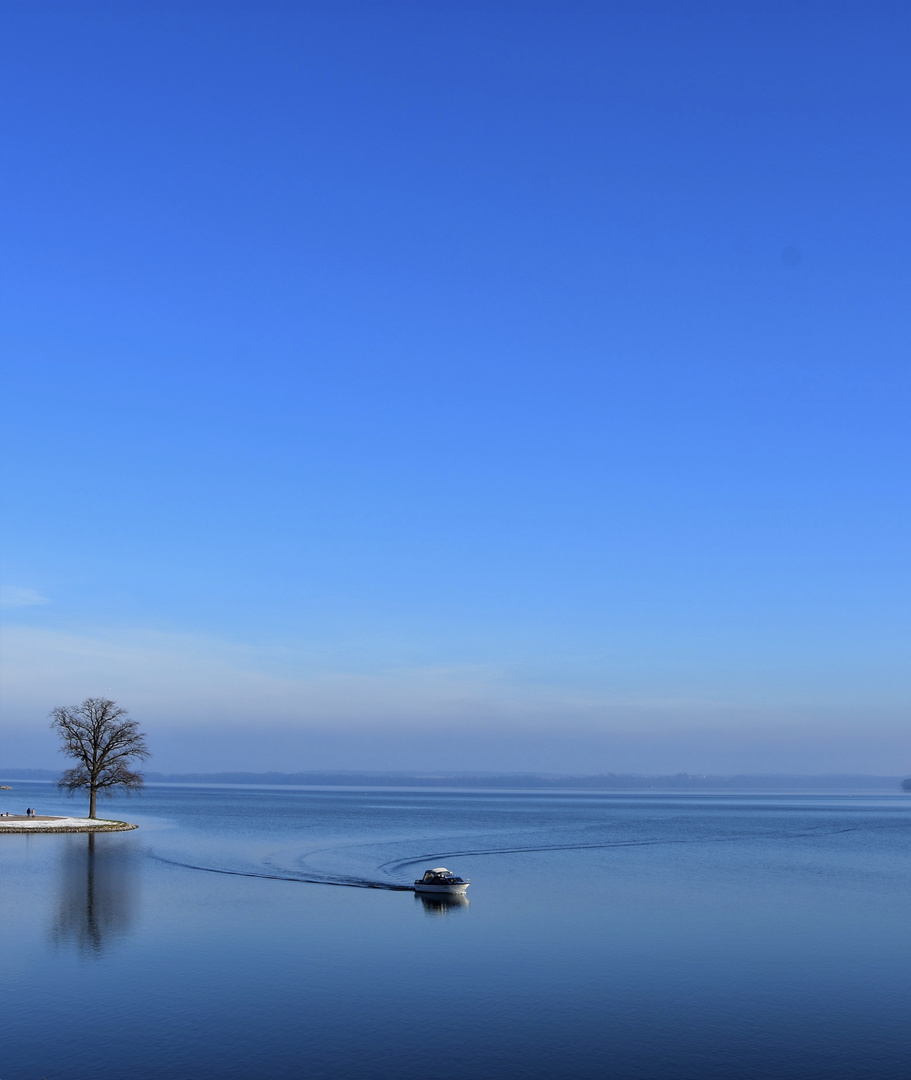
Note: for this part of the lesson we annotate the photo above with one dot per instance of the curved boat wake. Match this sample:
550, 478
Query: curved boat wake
392, 866
351, 883
400, 864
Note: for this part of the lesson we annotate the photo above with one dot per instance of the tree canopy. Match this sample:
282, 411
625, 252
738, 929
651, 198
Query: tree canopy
103, 740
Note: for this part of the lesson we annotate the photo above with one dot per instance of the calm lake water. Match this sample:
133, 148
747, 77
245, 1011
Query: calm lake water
261, 932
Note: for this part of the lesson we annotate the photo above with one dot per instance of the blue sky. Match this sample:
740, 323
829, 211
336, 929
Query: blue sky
470, 385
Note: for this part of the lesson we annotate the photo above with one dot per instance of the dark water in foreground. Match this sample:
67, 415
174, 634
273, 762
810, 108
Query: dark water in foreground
606, 936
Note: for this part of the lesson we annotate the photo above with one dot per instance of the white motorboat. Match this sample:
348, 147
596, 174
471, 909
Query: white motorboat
440, 880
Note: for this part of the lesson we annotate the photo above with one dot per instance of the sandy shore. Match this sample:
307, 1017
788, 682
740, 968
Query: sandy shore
19, 823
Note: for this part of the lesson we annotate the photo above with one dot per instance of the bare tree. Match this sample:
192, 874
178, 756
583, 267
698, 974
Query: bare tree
102, 738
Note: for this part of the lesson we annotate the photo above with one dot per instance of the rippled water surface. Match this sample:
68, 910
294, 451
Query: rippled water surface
254, 932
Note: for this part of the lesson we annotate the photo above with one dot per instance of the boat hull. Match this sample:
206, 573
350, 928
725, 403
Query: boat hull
456, 888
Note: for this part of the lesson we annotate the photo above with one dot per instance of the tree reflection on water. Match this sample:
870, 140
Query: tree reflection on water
98, 884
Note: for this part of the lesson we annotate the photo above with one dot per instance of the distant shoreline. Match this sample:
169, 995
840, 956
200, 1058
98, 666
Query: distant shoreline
679, 782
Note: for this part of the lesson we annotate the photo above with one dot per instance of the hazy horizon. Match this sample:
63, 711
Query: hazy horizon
216, 747
466, 386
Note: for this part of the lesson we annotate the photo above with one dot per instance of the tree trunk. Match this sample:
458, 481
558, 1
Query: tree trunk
91, 802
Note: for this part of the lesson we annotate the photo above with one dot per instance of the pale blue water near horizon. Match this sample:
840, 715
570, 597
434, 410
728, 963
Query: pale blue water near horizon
252, 932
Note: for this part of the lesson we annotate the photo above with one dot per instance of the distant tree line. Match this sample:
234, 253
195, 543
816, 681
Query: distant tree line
537, 781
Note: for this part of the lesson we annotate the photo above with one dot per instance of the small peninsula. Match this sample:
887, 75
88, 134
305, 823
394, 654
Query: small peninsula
20, 823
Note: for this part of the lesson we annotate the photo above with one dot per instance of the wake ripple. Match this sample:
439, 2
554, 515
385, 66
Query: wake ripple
348, 883
401, 864
437, 856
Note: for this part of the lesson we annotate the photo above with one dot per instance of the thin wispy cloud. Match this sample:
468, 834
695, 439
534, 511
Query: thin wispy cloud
183, 674
178, 675
14, 596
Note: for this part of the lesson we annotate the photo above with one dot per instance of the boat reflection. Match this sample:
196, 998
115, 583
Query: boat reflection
98, 885
436, 906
